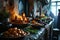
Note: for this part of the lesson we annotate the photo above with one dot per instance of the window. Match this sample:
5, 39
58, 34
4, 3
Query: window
58, 0
55, 5
53, 0
53, 9
58, 3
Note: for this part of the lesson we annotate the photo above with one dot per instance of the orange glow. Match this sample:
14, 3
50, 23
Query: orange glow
23, 15
21, 18
17, 17
25, 19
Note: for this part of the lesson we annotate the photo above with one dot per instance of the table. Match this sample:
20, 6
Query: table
39, 35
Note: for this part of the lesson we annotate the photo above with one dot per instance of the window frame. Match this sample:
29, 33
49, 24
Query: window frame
55, 5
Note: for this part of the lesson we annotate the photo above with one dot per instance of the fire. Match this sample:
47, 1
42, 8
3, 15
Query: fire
20, 18
25, 19
15, 16
23, 15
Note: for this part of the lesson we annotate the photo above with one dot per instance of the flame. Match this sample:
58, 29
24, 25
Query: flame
25, 19
23, 15
21, 18
16, 16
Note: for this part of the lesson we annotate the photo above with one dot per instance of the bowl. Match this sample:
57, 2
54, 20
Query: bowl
13, 38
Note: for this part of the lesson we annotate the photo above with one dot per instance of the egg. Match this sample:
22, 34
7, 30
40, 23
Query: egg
18, 30
14, 32
16, 35
19, 35
24, 33
15, 29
